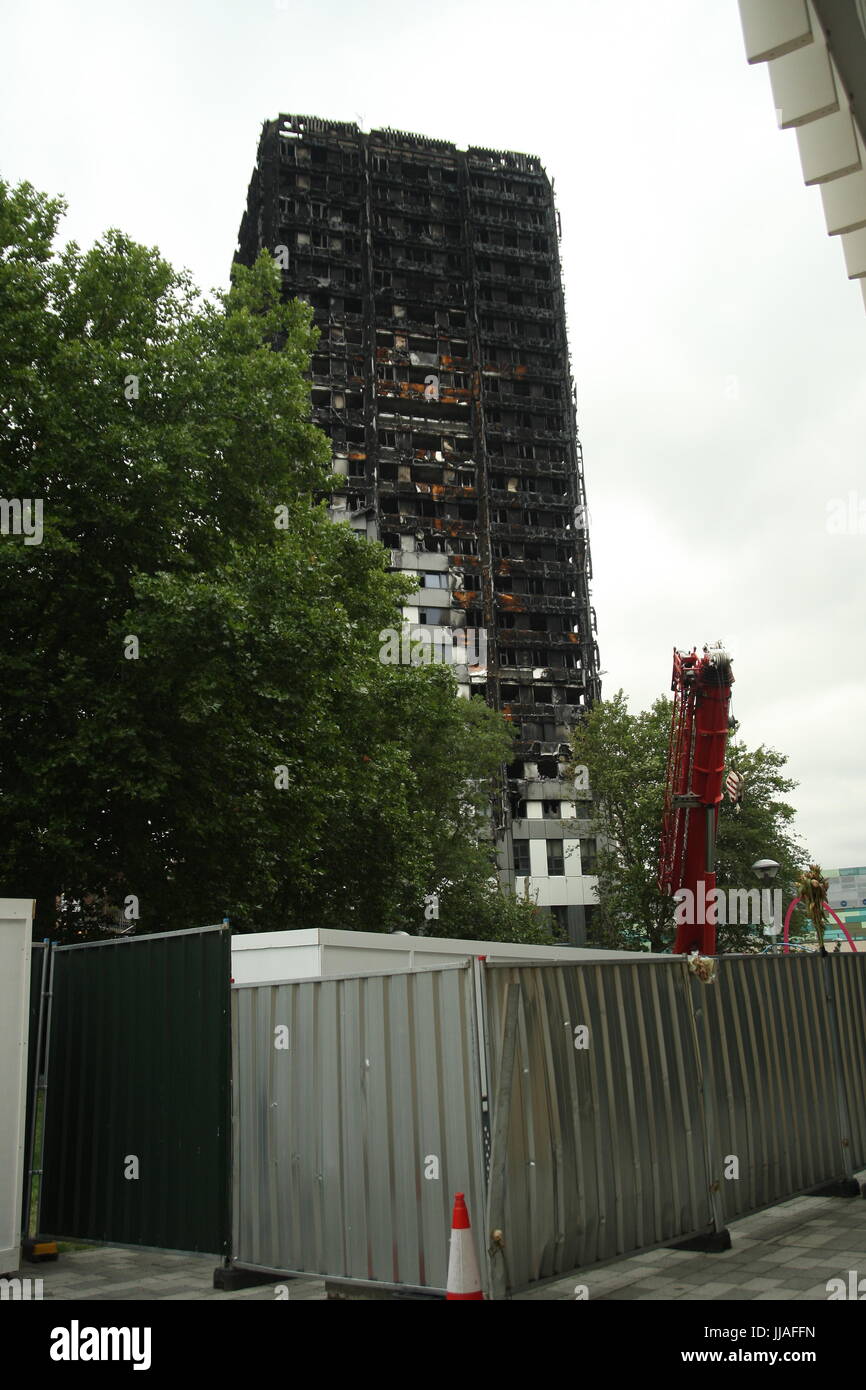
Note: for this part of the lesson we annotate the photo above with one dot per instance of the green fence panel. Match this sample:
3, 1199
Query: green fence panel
137, 1122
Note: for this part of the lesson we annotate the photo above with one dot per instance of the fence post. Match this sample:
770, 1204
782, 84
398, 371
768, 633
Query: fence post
499, 1146
719, 1238
33, 1164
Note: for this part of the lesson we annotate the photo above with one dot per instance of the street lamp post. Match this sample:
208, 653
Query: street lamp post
766, 870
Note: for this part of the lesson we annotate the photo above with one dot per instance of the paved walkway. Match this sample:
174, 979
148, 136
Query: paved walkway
104, 1273
786, 1253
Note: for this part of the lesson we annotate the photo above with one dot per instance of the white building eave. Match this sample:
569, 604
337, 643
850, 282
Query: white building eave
811, 98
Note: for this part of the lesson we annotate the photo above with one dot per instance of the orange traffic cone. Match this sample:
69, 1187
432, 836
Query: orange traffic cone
464, 1276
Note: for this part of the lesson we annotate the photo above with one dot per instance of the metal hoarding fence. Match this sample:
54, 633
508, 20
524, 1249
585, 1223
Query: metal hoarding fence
847, 979
689, 1105
357, 1115
766, 1029
606, 1149
137, 1116
631, 1105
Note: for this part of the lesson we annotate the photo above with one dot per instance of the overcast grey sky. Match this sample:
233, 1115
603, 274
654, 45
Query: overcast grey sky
717, 344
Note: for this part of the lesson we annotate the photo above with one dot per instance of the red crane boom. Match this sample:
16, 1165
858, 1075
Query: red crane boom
693, 791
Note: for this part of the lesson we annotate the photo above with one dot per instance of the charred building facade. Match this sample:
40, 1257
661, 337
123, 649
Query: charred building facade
442, 376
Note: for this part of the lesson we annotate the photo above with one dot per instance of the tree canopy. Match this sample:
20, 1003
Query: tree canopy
195, 719
626, 759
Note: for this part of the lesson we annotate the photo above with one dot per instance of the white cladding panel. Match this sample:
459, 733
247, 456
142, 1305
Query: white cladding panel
845, 203
774, 27
854, 246
264, 957
16, 925
828, 148
803, 86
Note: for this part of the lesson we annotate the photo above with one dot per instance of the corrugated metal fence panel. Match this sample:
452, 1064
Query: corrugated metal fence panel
333, 1134
768, 1056
139, 1065
606, 1150
848, 975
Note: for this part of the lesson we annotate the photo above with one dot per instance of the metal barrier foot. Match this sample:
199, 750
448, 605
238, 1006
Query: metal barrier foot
230, 1277
845, 1187
711, 1243
36, 1250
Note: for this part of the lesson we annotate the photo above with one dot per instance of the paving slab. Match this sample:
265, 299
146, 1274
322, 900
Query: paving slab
785, 1253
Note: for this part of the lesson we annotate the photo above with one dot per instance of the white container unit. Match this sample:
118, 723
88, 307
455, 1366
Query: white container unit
16, 926
323, 953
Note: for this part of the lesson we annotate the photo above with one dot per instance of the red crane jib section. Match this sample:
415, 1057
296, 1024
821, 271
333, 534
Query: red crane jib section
693, 793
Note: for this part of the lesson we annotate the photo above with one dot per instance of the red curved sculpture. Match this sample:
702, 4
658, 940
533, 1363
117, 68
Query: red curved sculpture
829, 909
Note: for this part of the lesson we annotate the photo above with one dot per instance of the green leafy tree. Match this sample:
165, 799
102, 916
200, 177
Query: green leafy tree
763, 829
196, 721
470, 904
626, 759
